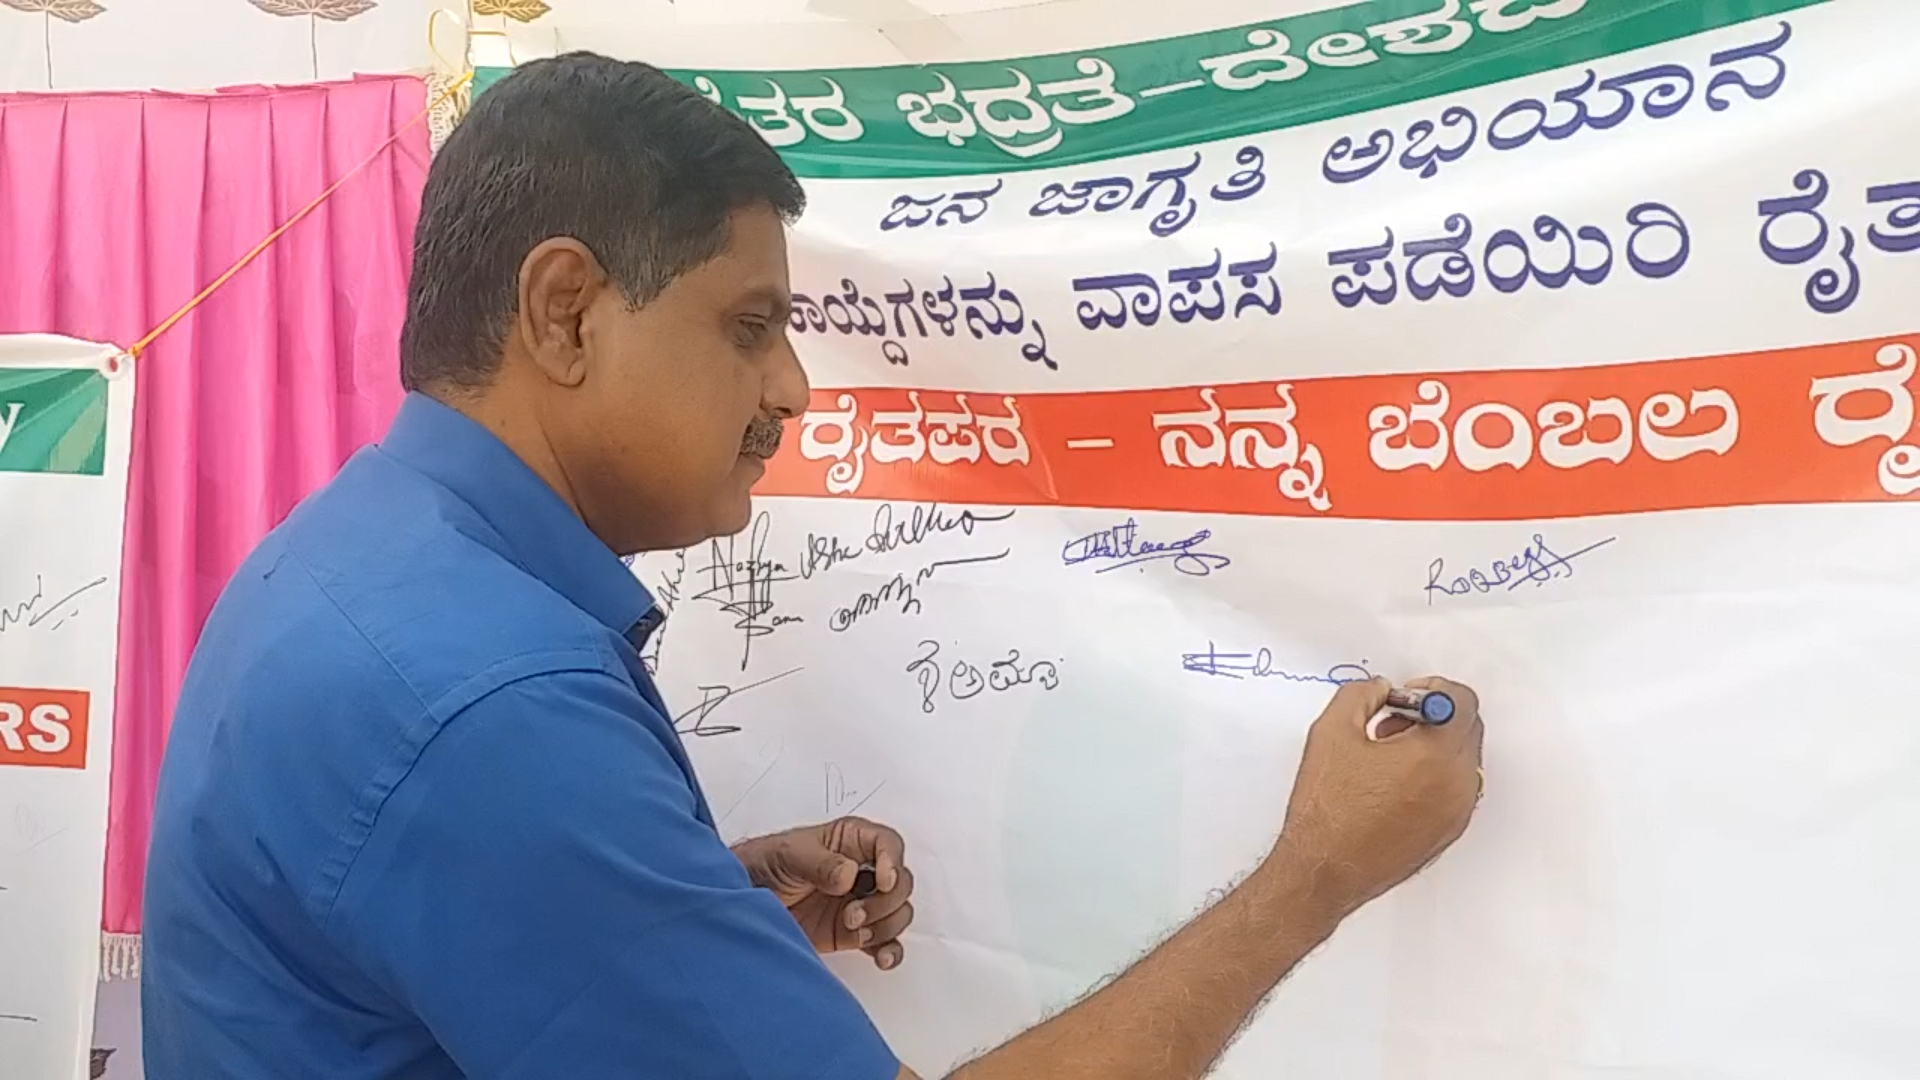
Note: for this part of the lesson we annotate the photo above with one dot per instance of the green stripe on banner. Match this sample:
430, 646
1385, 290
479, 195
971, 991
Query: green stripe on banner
53, 420
1068, 108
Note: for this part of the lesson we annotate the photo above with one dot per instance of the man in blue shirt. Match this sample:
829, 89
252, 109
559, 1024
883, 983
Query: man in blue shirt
423, 813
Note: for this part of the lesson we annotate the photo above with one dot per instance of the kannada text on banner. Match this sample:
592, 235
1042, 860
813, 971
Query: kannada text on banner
1831, 423
1068, 108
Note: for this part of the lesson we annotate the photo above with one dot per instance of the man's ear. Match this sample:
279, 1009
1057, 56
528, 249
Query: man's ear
559, 280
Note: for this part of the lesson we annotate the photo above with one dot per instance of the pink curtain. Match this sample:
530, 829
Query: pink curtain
117, 208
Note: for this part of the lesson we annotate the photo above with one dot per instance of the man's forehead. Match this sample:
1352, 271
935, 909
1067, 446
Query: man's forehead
753, 265
755, 234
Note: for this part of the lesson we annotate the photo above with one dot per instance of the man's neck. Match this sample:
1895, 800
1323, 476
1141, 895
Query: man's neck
520, 429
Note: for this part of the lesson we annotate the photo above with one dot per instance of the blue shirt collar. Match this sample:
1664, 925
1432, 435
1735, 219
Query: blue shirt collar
543, 536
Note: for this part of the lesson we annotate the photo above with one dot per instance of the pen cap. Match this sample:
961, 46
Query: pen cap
1436, 707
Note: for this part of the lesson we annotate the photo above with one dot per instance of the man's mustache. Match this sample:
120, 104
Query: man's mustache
763, 437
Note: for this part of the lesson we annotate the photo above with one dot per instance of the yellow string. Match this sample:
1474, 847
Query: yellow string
140, 346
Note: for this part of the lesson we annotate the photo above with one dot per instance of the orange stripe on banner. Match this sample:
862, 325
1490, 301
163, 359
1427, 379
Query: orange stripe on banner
1823, 424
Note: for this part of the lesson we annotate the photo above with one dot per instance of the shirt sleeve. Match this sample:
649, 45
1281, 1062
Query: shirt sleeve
541, 894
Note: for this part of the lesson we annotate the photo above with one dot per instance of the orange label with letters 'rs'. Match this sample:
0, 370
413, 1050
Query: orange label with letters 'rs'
46, 728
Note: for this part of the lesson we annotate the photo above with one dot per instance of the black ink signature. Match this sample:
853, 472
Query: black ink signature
711, 698
743, 587
667, 595
1259, 665
1123, 545
899, 589
32, 611
1536, 563
964, 680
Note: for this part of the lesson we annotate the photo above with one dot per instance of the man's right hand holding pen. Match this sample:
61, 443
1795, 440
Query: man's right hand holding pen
1373, 802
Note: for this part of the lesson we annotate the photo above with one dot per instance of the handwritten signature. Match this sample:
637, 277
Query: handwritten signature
743, 587
899, 590
964, 680
1122, 544
668, 591
711, 698
1259, 665
1536, 563
840, 793
925, 520
667, 594
31, 831
35, 609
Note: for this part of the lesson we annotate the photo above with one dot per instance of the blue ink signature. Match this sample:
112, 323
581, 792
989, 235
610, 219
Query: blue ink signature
1536, 563
921, 524
1123, 545
1259, 665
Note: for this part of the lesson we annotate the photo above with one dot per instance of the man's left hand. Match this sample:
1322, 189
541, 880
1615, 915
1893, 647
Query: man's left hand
812, 871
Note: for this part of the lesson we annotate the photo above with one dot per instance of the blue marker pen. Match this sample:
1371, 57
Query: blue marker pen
1433, 707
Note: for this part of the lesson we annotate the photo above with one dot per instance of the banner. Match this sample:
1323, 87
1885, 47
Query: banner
66, 424
1566, 347
1030, 112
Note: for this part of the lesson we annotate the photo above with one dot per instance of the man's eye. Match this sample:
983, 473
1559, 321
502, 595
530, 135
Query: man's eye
750, 331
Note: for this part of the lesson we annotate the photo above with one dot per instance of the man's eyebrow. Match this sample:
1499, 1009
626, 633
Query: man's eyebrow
778, 300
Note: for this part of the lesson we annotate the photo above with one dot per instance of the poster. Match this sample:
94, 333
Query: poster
1567, 347
66, 421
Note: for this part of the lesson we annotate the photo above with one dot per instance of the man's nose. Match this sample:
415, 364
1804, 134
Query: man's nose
787, 391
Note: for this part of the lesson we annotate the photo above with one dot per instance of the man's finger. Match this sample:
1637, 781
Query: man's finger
888, 956
1387, 723
879, 906
887, 929
885, 849
1476, 737
830, 872
1356, 702
1466, 703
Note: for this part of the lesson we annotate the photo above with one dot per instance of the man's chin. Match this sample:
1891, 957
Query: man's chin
749, 470
739, 513
736, 520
